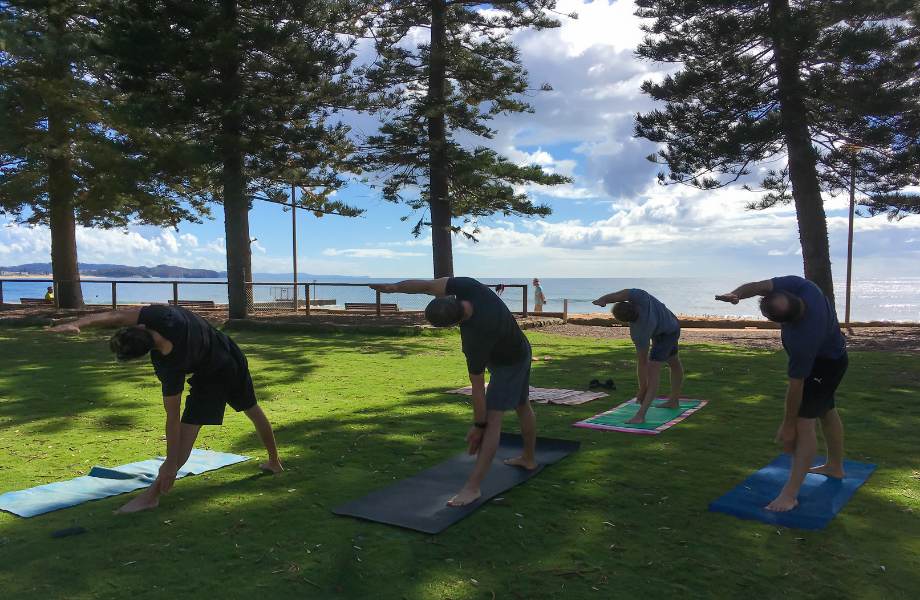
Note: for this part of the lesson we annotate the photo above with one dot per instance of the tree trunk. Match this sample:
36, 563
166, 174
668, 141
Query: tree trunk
236, 226
806, 190
61, 190
439, 202
236, 203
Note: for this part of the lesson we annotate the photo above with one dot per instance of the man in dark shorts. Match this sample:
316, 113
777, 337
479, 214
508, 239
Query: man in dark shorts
491, 338
817, 362
651, 324
182, 343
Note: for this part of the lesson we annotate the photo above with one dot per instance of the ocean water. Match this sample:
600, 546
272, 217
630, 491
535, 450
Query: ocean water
873, 299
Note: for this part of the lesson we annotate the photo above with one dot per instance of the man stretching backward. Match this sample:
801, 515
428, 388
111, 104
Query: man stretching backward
817, 362
490, 337
182, 343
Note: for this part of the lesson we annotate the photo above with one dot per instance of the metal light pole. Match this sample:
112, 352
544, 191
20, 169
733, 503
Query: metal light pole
294, 237
846, 317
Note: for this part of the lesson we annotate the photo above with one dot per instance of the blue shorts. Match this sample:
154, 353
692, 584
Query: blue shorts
664, 346
509, 385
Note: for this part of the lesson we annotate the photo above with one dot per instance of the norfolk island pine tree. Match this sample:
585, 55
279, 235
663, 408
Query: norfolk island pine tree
804, 79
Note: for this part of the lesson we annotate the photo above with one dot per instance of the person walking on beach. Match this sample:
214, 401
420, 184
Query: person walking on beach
490, 338
181, 343
538, 298
817, 363
654, 331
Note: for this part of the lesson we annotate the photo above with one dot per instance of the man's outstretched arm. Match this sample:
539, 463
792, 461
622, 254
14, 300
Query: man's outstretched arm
112, 318
432, 287
755, 288
621, 296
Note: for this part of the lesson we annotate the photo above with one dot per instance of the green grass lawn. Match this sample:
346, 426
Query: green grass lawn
625, 517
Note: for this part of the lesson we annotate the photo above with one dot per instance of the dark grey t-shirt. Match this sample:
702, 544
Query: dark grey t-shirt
196, 345
491, 336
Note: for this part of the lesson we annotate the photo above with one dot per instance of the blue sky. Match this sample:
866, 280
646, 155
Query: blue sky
613, 221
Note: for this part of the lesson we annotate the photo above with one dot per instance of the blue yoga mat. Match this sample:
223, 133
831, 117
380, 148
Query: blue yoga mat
102, 483
820, 497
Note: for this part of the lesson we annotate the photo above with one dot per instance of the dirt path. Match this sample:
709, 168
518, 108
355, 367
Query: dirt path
901, 340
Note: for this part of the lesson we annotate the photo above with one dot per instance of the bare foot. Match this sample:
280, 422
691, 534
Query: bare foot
143, 501
669, 404
828, 471
637, 420
520, 461
464, 497
272, 465
782, 504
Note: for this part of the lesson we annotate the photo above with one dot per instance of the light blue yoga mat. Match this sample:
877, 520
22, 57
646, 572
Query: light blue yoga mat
820, 497
102, 483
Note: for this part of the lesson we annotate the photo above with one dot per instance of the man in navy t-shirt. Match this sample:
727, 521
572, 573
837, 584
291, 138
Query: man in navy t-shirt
654, 331
181, 343
490, 338
817, 362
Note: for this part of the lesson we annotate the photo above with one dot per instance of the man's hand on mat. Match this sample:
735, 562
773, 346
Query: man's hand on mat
728, 298
65, 328
474, 437
786, 435
464, 497
167, 478
385, 288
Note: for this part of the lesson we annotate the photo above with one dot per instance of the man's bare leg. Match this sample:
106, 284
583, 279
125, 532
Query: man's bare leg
654, 369
528, 421
677, 379
487, 449
150, 497
806, 447
264, 429
832, 429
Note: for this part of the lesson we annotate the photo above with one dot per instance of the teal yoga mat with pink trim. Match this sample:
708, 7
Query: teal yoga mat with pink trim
656, 419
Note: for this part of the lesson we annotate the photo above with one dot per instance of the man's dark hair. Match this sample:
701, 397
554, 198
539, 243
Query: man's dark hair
781, 307
444, 311
129, 343
626, 312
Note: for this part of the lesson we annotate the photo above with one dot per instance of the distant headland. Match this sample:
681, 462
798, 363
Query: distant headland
120, 271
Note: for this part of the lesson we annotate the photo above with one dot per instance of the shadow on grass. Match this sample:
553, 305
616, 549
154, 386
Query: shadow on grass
625, 515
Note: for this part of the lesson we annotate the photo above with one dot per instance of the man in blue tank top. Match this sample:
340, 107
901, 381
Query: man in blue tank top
654, 331
817, 362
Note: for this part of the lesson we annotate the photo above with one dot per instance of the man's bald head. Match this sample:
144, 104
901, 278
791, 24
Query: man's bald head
782, 307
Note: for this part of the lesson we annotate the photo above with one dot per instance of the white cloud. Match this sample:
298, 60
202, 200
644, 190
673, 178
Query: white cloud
189, 240
216, 246
369, 253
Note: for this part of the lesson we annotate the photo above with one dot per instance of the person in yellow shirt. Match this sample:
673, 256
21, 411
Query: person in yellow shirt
49, 295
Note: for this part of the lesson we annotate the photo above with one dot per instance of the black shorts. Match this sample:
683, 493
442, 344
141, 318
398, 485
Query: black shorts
664, 346
820, 385
211, 390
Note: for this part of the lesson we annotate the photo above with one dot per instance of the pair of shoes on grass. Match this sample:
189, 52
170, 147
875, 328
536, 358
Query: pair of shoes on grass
609, 384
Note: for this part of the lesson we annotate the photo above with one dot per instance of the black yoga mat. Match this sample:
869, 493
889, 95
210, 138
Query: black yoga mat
420, 502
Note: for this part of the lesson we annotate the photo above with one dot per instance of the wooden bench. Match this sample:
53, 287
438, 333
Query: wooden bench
194, 303
367, 306
36, 301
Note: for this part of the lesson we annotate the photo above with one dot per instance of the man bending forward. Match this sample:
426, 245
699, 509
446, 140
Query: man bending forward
490, 337
181, 343
817, 362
